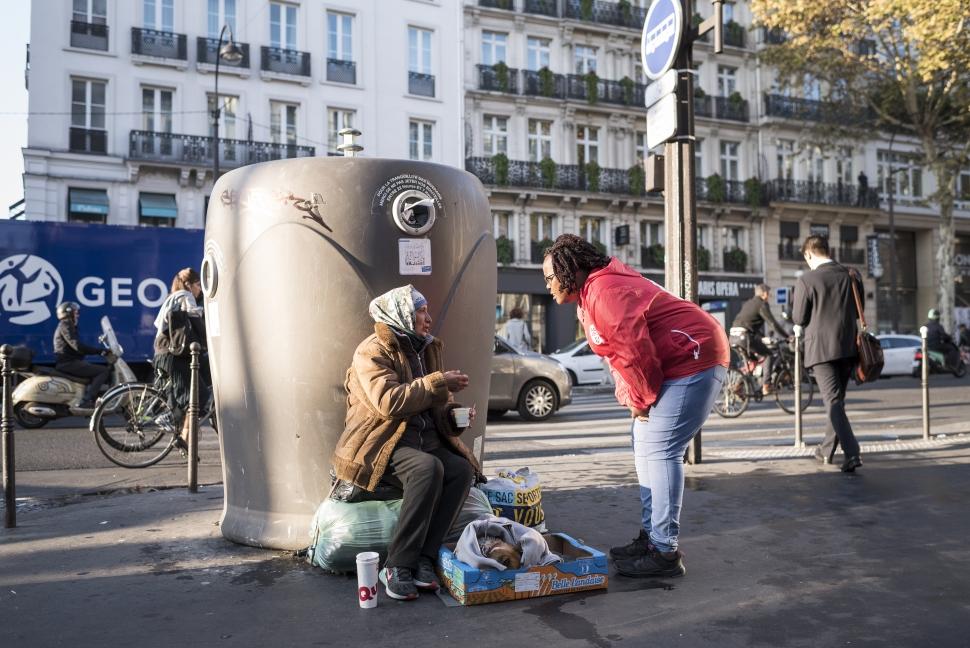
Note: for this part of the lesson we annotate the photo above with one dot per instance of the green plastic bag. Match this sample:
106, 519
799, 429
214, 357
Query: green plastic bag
340, 530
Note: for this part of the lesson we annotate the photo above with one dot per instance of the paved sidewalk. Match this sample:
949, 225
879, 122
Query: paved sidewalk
779, 553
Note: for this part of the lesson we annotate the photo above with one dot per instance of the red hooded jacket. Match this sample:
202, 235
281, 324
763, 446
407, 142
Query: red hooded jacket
647, 334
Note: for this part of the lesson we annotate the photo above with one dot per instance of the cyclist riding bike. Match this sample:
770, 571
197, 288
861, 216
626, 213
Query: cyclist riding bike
754, 313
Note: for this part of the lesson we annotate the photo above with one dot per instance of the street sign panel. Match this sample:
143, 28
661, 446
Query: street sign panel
661, 36
662, 120
662, 86
781, 295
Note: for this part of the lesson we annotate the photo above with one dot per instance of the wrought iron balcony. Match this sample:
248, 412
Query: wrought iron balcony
773, 36
734, 260
854, 256
717, 190
207, 50
421, 84
790, 251
652, 256
733, 34
340, 71
556, 177
607, 13
85, 140
543, 83
821, 193
703, 106
498, 79
197, 150
541, 7
731, 108
496, 4
89, 35
160, 44
795, 108
284, 61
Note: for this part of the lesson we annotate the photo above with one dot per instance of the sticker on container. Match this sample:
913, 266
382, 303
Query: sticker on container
212, 318
414, 256
527, 582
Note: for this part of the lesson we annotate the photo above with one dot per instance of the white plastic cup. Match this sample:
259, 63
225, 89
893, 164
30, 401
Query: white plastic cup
367, 578
463, 416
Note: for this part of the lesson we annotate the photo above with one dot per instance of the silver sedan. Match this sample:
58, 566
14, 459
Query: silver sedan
534, 384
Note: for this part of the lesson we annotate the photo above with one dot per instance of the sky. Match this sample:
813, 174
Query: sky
14, 33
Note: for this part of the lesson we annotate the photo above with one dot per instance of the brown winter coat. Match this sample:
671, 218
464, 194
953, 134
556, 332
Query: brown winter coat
382, 394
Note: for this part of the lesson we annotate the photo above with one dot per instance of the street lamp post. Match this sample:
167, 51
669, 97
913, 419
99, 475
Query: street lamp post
231, 54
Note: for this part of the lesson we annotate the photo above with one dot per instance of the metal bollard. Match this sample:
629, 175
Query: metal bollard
925, 370
6, 426
799, 442
193, 442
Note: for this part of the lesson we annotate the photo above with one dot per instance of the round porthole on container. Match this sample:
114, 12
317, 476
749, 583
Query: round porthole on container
414, 212
210, 276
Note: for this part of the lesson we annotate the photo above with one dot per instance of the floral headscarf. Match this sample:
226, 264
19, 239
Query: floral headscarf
396, 308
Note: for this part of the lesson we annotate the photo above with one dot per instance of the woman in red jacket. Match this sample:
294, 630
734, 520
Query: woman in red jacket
668, 358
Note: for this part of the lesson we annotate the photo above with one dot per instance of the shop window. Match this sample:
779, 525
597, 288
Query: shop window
157, 210
542, 232
87, 206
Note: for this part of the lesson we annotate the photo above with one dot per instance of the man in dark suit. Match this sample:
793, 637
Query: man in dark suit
825, 306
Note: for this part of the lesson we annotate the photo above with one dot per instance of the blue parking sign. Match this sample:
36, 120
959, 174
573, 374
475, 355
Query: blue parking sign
660, 41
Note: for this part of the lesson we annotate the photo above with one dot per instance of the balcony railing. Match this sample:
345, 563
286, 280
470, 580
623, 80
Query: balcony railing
541, 7
626, 93
340, 71
790, 251
543, 84
734, 260
284, 61
733, 34
703, 106
496, 4
197, 150
727, 191
89, 35
421, 84
652, 256
731, 109
207, 50
160, 44
773, 36
559, 177
821, 193
795, 108
854, 256
498, 79
607, 13
85, 140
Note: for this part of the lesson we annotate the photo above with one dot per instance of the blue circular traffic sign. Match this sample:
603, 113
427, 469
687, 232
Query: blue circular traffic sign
662, 32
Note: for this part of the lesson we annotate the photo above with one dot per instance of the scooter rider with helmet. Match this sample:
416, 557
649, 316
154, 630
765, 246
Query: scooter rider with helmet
937, 339
70, 352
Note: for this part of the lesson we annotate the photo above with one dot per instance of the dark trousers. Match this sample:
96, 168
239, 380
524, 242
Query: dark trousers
833, 378
97, 373
435, 486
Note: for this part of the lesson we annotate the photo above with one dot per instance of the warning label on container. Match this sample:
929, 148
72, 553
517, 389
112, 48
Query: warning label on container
407, 182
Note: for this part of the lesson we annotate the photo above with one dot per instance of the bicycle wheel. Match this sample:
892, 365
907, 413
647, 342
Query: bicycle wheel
733, 398
134, 426
785, 389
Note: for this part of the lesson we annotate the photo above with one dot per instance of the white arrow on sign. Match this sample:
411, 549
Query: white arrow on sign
662, 86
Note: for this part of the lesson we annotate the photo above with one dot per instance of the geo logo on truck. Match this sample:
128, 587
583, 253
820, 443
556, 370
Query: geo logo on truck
30, 289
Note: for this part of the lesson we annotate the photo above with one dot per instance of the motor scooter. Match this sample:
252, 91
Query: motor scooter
940, 362
45, 394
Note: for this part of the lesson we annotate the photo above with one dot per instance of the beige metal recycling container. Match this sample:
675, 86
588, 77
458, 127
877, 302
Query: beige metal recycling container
294, 252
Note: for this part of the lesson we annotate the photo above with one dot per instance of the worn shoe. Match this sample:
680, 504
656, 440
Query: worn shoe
424, 576
398, 583
639, 547
851, 463
652, 564
820, 456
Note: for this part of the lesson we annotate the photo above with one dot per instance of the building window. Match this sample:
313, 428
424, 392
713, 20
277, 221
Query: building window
495, 134
587, 144
704, 237
728, 11
591, 229
906, 179
540, 140
843, 165
420, 140
640, 146
784, 156
282, 123
91, 11
584, 59
337, 120
340, 36
735, 238
87, 205
159, 15
88, 134
730, 160
814, 165
818, 229
727, 81
156, 110
699, 158
651, 233
282, 25
220, 12
789, 248
542, 232
419, 50
227, 117
502, 231
537, 51
811, 88
157, 210
963, 186
493, 47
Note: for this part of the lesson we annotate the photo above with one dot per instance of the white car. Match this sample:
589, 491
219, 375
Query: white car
898, 351
584, 366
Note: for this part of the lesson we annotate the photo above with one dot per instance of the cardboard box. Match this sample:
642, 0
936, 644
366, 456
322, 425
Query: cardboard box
582, 568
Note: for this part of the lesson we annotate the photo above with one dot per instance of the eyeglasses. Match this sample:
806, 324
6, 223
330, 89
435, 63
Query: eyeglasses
549, 278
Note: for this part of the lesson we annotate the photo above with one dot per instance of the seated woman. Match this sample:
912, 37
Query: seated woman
400, 429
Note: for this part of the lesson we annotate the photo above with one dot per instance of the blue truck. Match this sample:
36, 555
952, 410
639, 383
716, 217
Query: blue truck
122, 272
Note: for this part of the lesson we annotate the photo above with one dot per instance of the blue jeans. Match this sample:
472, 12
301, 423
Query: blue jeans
658, 450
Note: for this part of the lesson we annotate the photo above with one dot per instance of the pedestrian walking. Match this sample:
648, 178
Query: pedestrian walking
668, 359
516, 332
825, 306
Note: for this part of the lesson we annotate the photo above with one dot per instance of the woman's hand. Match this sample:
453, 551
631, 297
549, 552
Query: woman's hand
456, 380
640, 414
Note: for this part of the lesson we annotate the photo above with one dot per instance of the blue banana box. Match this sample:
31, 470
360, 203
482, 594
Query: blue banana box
582, 568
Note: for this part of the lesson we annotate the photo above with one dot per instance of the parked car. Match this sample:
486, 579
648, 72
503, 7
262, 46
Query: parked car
898, 352
584, 366
534, 384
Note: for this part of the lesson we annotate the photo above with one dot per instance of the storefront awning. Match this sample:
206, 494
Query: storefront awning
157, 205
88, 201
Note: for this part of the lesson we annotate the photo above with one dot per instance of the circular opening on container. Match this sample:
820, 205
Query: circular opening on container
210, 276
414, 212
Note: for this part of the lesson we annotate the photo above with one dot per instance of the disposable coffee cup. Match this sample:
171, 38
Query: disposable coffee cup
463, 416
367, 578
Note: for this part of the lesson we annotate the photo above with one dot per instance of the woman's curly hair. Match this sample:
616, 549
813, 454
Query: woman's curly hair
572, 255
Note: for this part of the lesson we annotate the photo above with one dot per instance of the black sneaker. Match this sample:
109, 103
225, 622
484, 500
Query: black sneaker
639, 547
652, 564
424, 576
398, 583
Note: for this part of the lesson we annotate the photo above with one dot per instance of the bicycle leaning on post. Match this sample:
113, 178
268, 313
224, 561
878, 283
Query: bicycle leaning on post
744, 378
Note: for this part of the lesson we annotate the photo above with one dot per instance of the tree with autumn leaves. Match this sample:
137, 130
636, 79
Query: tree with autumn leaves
887, 66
